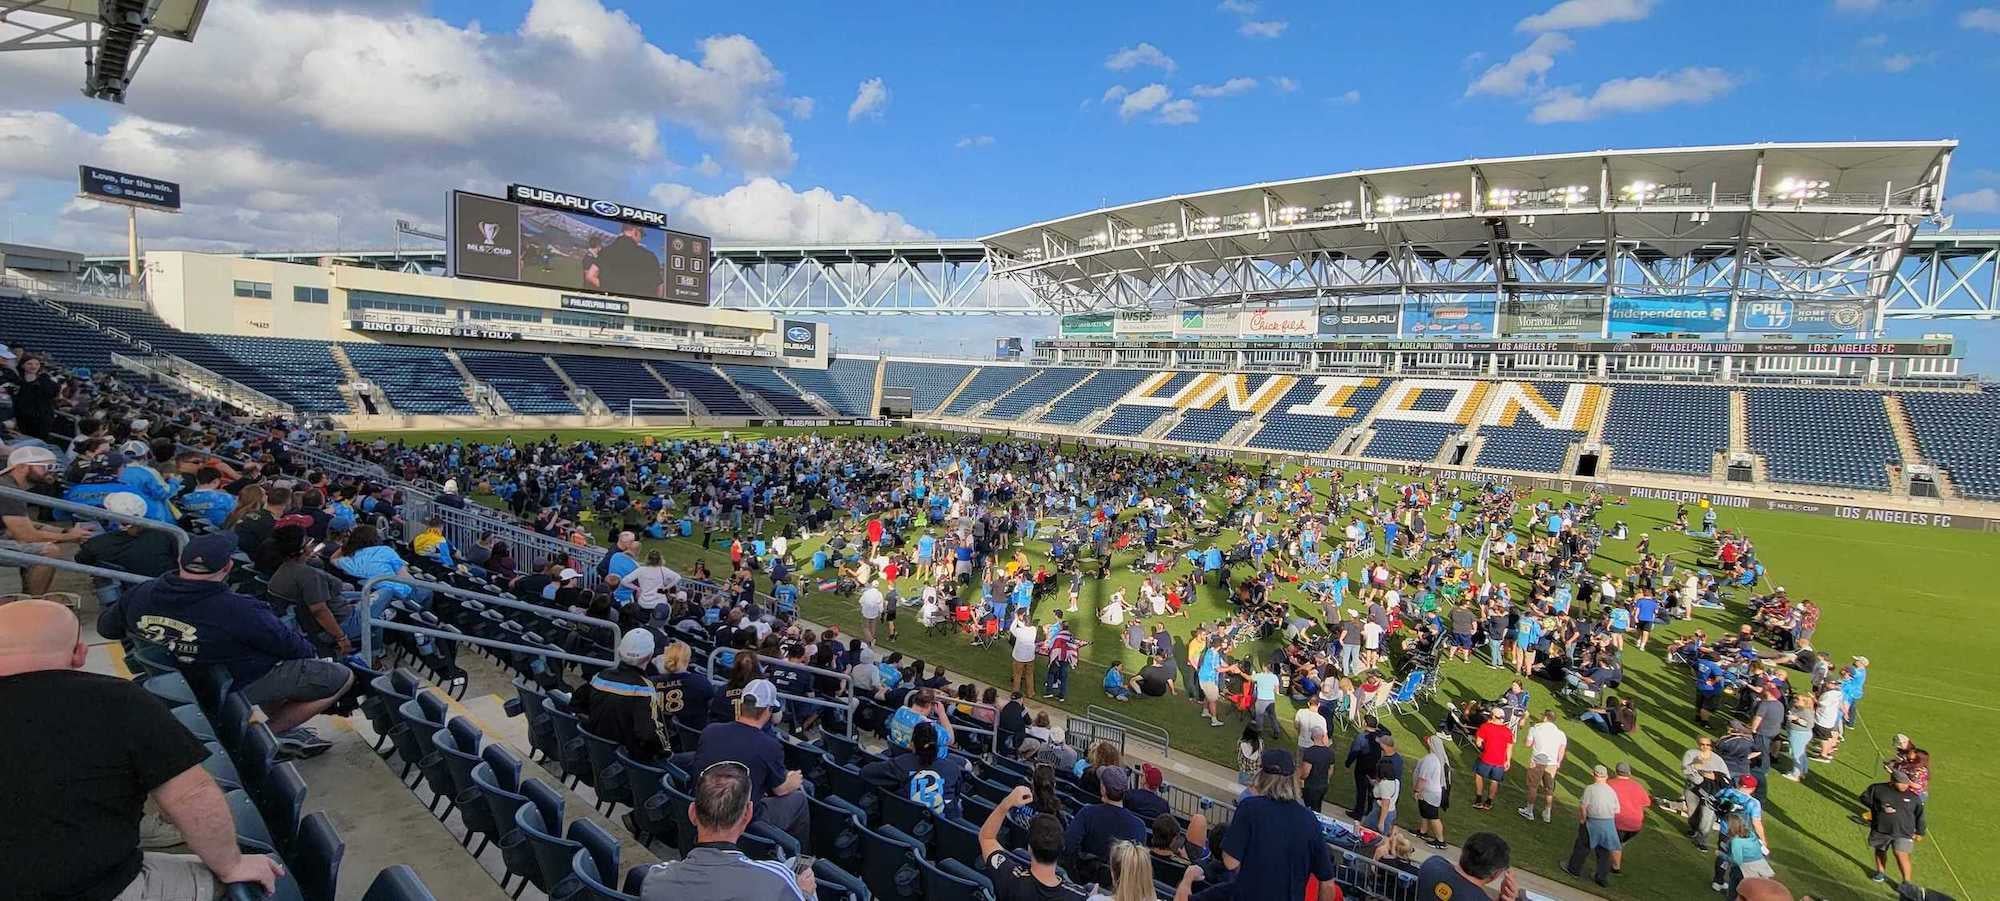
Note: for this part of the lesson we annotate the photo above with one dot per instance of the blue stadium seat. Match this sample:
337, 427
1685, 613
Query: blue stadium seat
523, 380
1397, 439
929, 383
1667, 428
417, 380
1812, 436
1959, 431
988, 383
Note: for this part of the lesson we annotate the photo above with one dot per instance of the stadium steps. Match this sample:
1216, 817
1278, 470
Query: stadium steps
493, 404
694, 403
755, 400
1899, 425
1483, 399
1241, 432
1164, 424
1595, 434
1090, 423
875, 394
589, 401
1739, 422
818, 403
351, 376
970, 374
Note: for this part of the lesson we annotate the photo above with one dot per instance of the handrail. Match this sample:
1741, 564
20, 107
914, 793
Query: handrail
179, 534
11, 557
369, 623
368, 620
1151, 733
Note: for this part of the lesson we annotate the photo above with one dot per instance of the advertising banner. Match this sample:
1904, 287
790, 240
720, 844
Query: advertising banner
1294, 323
130, 190
1208, 322
1552, 316
1007, 349
801, 338
1457, 319
438, 330
1699, 313
1351, 320
1766, 314
595, 304
1085, 325
1143, 322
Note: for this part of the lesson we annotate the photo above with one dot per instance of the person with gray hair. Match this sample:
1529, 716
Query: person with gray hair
714, 870
1273, 843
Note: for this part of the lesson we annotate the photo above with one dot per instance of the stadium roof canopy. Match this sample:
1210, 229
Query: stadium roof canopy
115, 35
1805, 219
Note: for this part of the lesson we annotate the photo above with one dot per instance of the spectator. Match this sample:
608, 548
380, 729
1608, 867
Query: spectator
721, 811
327, 613
1597, 812
208, 502
1433, 790
1362, 755
32, 468
1633, 799
85, 752
1156, 678
1547, 746
195, 615
128, 548
258, 509
1496, 751
1895, 822
364, 556
1144, 799
1316, 766
1038, 881
927, 773
1273, 844
1095, 826
1483, 858
617, 703
746, 741
681, 697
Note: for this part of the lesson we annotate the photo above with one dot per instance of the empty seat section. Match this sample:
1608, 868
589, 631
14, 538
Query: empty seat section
1314, 433
31, 325
990, 382
846, 385
1959, 432
416, 379
765, 382
701, 383
293, 370
1400, 440
1667, 428
1836, 438
1035, 392
615, 380
1100, 391
1526, 444
1130, 419
523, 380
929, 383
1206, 426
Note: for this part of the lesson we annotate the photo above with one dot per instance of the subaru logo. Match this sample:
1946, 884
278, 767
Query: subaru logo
604, 208
798, 333
113, 190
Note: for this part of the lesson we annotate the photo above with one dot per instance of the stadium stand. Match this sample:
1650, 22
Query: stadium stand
847, 385
296, 371
36, 325
1960, 432
1667, 428
1824, 437
1403, 440
1206, 426
707, 388
1130, 419
523, 380
1526, 445
615, 380
929, 383
1044, 387
417, 380
1101, 390
1312, 434
767, 384
990, 382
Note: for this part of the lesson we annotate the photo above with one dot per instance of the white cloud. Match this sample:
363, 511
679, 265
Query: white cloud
1874, 40
1898, 63
1265, 29
1178, 112
871, 99
1346, 98
1230, 88
1524, 71
1985, 18
1239, 7
765, 209
974, 141
1284, 83
1574, 14
1984, 200
1695, 84
708, 166
799, 107
1142, 54
1143, 100
1114, 92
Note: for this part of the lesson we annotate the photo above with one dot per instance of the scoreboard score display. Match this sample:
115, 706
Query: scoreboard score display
570, 242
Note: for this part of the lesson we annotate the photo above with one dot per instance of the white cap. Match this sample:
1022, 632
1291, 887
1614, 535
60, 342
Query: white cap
126, 503
762, 693
138, 451
568, 574
6, 353
636, 646
140, 425
30, 455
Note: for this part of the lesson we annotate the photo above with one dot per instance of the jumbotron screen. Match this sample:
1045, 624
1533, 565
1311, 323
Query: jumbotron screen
574, 243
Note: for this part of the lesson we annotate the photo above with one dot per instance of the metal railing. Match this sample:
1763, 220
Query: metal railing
369, 622
1132, 727
463, 526
12, 557
202, 380
87, 511
846, 705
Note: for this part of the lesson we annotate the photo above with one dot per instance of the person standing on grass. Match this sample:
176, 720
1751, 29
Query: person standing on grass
1496, 751
1547, 746
1895, 818
872, 605
1633, 799
1063, 649
1316, 767
1208, 674
1597, 812
1433, 790
1024, 637
1264, 683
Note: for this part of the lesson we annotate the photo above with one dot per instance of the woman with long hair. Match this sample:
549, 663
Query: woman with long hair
249, 500
1131, 869
365, 557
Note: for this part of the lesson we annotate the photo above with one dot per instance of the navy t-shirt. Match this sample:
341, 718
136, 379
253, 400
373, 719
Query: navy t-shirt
1096, 826
747, 745
1276, 844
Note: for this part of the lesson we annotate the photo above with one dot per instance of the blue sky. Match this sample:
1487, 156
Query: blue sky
292, 121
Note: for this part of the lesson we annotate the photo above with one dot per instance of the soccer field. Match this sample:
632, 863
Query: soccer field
1904, 596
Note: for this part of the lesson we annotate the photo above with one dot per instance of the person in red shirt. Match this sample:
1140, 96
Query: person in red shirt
874, 533
1633, 799
1496, 751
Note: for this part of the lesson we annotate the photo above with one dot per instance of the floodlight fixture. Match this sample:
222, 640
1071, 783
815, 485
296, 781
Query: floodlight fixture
1243, 221
1202, 224
1162, 230
1289, 215
1800, 190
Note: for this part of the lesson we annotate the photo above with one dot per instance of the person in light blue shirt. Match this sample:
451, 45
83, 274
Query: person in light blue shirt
926, 546
208, 502
622, 563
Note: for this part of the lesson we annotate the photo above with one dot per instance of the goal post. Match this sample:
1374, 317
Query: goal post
657, 406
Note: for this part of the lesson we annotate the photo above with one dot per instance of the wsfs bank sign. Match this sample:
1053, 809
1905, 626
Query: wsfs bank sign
578, 203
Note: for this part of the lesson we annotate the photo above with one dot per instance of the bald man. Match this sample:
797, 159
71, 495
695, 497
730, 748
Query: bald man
1761, 889
84, 752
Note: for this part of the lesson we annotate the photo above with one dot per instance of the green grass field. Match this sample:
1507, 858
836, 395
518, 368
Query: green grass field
1905, 597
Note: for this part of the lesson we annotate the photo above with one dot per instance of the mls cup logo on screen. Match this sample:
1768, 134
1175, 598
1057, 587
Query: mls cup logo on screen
488, 231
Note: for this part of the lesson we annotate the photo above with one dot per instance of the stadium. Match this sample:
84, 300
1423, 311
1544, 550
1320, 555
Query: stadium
1351, 536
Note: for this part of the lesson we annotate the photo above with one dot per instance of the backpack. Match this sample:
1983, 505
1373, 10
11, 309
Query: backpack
927, 788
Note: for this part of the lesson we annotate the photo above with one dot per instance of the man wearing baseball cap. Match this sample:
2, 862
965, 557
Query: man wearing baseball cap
128, 548
1273, 844
28, 468
747, 740
193, 613
1095, 826
617, 704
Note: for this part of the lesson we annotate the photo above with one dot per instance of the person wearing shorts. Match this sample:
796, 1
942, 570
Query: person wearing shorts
1496, 751
1895, 815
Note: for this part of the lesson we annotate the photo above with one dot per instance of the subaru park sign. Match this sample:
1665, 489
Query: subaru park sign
578, 203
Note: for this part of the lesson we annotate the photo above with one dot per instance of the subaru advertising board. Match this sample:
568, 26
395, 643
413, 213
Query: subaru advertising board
1456, 319
1705, 314
1353, 320
1770, 314
801, 338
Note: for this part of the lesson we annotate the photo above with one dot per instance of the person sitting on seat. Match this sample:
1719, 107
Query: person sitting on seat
617, 704
721, 811
746, 741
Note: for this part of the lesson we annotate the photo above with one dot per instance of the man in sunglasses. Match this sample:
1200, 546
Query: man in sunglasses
715, 869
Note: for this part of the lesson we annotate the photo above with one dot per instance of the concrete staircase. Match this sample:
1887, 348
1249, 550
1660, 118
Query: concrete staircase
1035, 414
881, 376
1899, 425
694, 406
818, 403
1739, 423
1595, 435
1164, 424
970, 374
350, 376
755, 400
482, 395
584, 398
